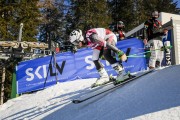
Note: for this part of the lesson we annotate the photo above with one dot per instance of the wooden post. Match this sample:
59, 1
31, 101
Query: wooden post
2, 83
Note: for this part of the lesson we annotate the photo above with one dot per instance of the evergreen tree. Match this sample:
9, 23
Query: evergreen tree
12, 14
135, 12
168, 6
15, 12
122, 10
90, 13
53, 25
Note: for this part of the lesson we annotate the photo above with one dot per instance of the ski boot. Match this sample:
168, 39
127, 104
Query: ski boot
104, 78
158, 64
122, 75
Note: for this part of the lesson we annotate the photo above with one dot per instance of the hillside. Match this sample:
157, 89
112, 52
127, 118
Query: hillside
154, 96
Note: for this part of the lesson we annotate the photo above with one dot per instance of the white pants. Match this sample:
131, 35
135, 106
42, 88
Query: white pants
96, 54
156, 55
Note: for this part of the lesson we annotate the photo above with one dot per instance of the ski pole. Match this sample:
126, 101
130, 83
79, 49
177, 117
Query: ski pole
167, 47
149, 51
133, 56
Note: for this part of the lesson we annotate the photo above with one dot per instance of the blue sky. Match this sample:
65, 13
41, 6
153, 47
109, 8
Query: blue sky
173, 0
178, 3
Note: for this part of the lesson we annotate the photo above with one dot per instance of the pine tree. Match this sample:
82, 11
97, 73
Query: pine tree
90, 13
135, 12
12, 14
168, 6
15, 12
53, 26
122, 10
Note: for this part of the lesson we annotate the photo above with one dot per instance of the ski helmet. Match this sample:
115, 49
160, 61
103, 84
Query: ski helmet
155, 14
76, 37
120, 23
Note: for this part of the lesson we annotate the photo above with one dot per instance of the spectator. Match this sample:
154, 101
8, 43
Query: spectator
152, 34
119, 30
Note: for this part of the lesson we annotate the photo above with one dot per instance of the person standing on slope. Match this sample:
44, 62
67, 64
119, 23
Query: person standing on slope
119, 30
103, 42
152, 34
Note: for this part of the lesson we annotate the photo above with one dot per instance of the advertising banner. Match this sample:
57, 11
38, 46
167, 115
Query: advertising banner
31, 75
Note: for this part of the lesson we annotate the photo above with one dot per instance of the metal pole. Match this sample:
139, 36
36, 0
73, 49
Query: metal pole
48, 71
54, 56
20, 32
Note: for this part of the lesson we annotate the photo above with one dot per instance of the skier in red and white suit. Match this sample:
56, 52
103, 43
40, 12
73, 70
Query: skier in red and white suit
103, 42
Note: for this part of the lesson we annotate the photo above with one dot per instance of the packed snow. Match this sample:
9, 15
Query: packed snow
155, 96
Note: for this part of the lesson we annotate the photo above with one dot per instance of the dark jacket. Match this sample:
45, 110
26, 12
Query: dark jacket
152, 29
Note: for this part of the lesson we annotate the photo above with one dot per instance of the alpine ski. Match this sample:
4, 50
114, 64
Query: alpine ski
105, 89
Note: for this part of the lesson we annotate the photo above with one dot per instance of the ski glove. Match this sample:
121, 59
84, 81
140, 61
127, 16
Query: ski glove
102, 57
121, 55
166, 48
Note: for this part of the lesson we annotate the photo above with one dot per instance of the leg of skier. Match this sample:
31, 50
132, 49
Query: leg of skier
102, 72
122, 75
160, 53
153, 57
156, 55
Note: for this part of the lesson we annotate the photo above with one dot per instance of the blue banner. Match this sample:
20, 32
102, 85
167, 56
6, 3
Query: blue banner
32, 74
167, 54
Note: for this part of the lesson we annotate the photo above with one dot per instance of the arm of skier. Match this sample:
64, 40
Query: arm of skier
120, 53
102, 42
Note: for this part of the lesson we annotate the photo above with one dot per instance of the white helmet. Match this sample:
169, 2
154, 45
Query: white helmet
76, 37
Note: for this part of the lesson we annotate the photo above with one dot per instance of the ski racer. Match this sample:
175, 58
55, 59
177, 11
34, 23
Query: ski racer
103, 42
152, 34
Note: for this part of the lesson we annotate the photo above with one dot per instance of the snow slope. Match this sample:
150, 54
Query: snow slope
155, 96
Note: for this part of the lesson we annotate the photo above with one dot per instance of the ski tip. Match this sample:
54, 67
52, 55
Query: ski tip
132, 76
111, 79
76, 101
94, 85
